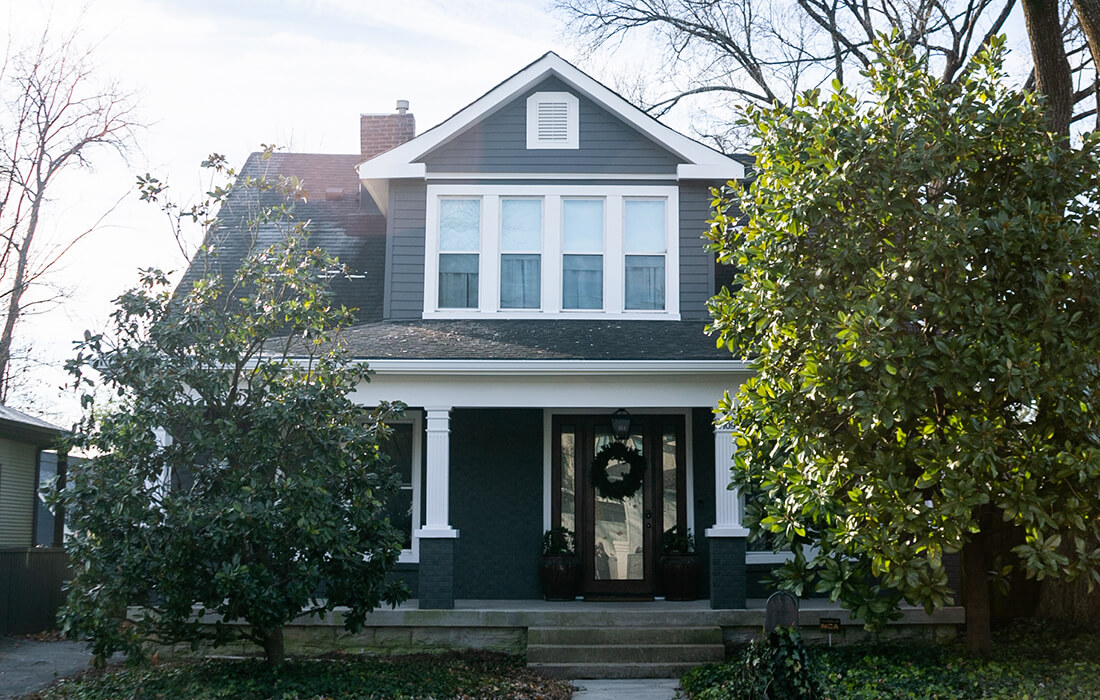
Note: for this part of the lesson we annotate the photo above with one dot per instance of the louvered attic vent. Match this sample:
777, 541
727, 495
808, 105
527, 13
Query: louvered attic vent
552, 120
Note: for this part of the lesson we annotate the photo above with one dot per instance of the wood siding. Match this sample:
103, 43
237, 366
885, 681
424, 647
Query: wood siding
405, 250
696, 264
17, 487
498, 144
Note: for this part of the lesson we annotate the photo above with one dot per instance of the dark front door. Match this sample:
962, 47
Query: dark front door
618, 538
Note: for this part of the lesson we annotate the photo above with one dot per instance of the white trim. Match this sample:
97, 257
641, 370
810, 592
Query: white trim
414, 417
556, 367
726, 532
571, 138
552, 197
706, 171
549, 176
387, 164
768, 557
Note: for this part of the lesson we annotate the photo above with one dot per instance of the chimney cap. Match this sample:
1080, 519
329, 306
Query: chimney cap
402, 106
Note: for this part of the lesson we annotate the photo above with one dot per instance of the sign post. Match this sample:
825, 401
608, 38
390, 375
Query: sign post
830, 625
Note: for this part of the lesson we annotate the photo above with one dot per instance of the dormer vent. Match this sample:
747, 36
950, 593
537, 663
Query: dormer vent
552, 120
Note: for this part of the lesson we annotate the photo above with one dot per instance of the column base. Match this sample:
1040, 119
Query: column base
437, 573
728, 576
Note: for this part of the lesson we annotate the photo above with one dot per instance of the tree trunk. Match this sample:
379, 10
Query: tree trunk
1088, 14
272, 642
975, 584
1052, 73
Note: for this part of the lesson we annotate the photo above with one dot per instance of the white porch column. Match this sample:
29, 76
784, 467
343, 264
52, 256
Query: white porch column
727, 502
727, 539
437, 489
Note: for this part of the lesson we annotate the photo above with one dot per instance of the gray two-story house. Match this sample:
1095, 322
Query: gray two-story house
524, 270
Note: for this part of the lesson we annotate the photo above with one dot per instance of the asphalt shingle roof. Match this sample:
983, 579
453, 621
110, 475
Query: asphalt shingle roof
533, 340
336, 223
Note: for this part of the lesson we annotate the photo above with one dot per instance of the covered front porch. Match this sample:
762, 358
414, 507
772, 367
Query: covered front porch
507, 453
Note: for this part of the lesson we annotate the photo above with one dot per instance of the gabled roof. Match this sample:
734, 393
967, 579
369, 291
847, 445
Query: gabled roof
336, 223
700, 162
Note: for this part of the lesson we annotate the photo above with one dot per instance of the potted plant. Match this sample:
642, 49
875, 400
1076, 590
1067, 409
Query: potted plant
559, 565
678, 565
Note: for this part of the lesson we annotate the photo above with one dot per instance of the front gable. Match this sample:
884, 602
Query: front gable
692, 160
550, 197
499, 143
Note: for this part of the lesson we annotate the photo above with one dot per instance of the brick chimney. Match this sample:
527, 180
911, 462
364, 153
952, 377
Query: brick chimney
379, 133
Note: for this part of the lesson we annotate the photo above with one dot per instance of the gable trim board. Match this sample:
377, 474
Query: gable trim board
698, 161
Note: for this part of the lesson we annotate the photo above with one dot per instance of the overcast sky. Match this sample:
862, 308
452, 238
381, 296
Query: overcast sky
225, 76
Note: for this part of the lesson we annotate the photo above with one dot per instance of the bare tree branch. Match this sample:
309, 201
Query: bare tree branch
55, 115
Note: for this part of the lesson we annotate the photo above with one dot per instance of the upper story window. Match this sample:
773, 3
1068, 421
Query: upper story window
520, 253
536, 251
582, 228
553, 120
644, 247
459, 243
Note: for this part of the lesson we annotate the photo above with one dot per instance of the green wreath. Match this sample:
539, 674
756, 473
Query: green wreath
631, 481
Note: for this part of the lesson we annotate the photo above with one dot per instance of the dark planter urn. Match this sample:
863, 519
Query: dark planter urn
679, 574
559, 576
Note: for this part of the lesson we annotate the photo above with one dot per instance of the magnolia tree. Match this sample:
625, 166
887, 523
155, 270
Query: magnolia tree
917, 290
233, 475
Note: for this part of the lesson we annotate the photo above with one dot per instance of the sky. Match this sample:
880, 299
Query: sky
226, 76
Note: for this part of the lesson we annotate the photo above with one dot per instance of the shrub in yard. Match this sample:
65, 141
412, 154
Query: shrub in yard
775, 666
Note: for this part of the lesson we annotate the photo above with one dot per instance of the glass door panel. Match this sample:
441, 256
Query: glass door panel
618, 543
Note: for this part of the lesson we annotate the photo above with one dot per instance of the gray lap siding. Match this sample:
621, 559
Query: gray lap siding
498, 144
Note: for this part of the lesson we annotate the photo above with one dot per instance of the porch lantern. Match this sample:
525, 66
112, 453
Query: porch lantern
620, 424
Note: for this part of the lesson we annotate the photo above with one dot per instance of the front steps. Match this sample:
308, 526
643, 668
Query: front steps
621, 652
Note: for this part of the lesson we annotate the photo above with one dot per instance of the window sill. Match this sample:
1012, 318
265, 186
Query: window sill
532, 314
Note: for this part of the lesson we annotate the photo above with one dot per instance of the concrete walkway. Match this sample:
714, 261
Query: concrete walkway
634, 689
27, 666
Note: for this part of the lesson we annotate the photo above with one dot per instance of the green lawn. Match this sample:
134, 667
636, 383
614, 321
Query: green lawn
1026, 663
459, 675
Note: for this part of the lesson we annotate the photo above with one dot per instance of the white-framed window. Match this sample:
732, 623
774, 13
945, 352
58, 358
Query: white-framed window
520, 252
403, 507
553, 120
644, 246
537, 251
582, 248
459, 246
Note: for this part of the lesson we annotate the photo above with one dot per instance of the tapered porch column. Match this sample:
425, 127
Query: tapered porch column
727, 537
437, 571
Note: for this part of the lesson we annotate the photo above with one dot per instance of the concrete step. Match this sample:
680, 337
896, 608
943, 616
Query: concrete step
584, 670
622, 652
624, 635
625, 653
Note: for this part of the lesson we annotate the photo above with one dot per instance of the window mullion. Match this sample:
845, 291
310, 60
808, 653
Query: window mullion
613, 262
489, 287
551, 254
